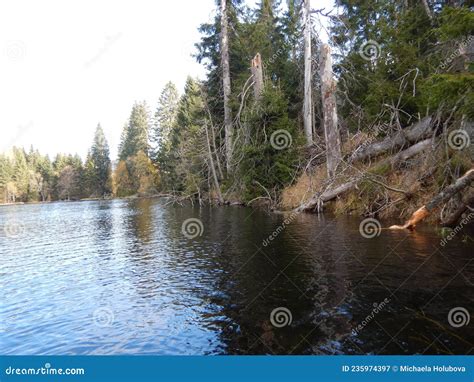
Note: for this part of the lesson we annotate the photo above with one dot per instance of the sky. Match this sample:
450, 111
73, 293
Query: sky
66, 66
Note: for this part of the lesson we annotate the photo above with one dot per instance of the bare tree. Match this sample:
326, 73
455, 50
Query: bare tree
226, 84
328, 96
308, 103
427, 8
257, 74
213, 168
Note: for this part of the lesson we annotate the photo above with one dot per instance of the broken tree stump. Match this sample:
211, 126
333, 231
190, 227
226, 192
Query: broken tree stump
257, 73
426, 210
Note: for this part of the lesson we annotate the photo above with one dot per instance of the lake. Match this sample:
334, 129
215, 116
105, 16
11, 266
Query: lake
139, 277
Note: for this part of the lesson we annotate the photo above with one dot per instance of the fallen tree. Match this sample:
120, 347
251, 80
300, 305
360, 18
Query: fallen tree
426, 210
455, 216
328, 195
414, 133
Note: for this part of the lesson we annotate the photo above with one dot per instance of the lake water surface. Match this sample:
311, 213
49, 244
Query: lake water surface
120, 277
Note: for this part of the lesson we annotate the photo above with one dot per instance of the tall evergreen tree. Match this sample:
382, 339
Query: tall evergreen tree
188, 146
135, 134
165, 118
100, 157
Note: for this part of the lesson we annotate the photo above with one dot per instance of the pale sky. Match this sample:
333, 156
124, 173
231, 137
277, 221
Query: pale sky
67, 65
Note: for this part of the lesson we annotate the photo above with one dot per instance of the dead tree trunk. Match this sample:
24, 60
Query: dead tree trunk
308, 103
213, 168
411, 134
226, 85
453, 218
335, 192
257, 74
426, 210
427, 8
328, 96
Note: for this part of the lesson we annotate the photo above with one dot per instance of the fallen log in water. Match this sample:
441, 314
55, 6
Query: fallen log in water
454, 217
333, 193
423, 212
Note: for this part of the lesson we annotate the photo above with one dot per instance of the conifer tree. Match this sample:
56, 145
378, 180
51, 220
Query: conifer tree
164, 122
100, 157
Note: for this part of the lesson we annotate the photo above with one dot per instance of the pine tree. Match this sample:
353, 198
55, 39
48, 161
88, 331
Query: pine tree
99, 155
6, 173
21, 173
164, 121
188, 145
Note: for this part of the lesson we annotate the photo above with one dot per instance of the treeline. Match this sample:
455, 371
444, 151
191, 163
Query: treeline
31, 176
259, 119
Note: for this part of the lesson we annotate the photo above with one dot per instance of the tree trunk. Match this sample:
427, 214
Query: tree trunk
335, 192
226, 85
328, 96
411, 134
426, 210
257, 74
213, 169
453, 218
307, 105
427, 8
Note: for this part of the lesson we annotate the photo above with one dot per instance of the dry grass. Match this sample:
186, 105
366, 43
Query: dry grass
304, 188
416, 176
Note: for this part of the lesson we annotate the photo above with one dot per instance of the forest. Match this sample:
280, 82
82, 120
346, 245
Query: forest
376, 122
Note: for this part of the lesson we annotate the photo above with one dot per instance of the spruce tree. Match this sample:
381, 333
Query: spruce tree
100, 157
164, 121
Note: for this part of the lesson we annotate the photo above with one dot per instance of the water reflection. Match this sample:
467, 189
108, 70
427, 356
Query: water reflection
163, 293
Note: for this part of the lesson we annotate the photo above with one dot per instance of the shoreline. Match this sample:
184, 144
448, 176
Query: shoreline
83, 200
